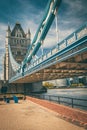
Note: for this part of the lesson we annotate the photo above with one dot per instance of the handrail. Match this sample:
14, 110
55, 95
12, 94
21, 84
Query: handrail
64, 42
70, 101
78, 34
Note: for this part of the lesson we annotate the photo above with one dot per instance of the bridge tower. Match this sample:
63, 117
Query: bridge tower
19, 43
6, 60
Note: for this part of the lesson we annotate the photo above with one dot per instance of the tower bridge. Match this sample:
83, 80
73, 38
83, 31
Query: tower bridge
67, 59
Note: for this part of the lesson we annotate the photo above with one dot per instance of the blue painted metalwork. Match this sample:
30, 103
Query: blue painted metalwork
59, 53
52, 60
46, 22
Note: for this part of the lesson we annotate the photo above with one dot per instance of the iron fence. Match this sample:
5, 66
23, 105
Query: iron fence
69, 101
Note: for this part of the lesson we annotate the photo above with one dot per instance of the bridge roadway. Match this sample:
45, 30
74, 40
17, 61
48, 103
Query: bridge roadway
27, 115
67, 59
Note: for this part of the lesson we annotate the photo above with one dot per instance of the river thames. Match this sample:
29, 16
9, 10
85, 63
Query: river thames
78, 93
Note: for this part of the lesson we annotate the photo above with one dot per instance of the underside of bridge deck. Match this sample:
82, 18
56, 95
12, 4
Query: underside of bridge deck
75, 66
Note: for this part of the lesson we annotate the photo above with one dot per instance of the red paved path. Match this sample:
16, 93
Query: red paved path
73, 115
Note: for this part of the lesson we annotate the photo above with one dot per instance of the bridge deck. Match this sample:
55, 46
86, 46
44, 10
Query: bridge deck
27, 115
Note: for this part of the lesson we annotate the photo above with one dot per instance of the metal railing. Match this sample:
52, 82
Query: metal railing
68, 101
57, 51
78, 34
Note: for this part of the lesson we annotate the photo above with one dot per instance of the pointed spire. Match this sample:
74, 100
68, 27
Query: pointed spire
29, 31
17, 22
9, 28
28, 35
8, 31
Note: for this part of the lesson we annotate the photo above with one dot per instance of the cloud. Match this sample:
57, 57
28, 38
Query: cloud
3, 28
51, 38
32, 21
70, 17
71, 14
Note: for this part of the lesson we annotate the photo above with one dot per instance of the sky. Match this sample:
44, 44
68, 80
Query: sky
71, 15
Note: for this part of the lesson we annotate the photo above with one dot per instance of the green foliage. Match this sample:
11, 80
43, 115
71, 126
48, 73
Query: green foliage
76, 85
48, 85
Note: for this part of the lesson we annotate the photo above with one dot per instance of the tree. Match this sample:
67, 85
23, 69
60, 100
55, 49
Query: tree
48, 85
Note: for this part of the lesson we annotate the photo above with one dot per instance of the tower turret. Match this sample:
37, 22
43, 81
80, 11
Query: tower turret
8, 34
8, 31
28, 35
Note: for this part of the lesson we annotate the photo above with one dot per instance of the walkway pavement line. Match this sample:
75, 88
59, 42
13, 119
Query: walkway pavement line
72, 115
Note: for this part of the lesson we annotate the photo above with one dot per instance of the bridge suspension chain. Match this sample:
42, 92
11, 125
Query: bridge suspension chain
14, 64
42, 31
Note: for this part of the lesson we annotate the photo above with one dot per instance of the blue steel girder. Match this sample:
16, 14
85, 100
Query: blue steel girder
74, 44
79, 47
42, 31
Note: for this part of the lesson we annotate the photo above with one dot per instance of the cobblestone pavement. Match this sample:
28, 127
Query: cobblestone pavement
27, 115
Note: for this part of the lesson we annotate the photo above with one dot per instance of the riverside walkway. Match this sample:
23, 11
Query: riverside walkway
27, 115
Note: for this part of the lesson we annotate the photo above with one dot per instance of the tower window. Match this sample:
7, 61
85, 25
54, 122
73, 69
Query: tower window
20, 35
18, 53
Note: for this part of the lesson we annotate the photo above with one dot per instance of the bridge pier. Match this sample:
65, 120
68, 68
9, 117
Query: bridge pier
35, 87
32, 87
68, 81
76, 80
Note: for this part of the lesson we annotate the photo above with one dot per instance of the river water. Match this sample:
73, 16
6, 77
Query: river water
75, 92
78, 93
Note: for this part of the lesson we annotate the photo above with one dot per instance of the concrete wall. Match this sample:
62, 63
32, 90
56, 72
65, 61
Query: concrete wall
37, 86
24, 87
15, 88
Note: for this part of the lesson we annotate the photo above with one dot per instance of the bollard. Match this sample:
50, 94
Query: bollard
15, 99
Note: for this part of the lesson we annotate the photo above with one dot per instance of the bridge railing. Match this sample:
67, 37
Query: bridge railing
69, 101
71, 39
81, 32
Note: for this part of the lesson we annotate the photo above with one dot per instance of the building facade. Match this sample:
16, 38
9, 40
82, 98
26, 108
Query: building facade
19, 43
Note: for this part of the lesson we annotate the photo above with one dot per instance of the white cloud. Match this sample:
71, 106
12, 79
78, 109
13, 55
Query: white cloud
66, 24
32, 25
51, 38
75, 6
3, 28
75, 13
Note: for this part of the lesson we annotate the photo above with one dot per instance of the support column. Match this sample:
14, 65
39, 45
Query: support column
68, 82
76, 80
37, 87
